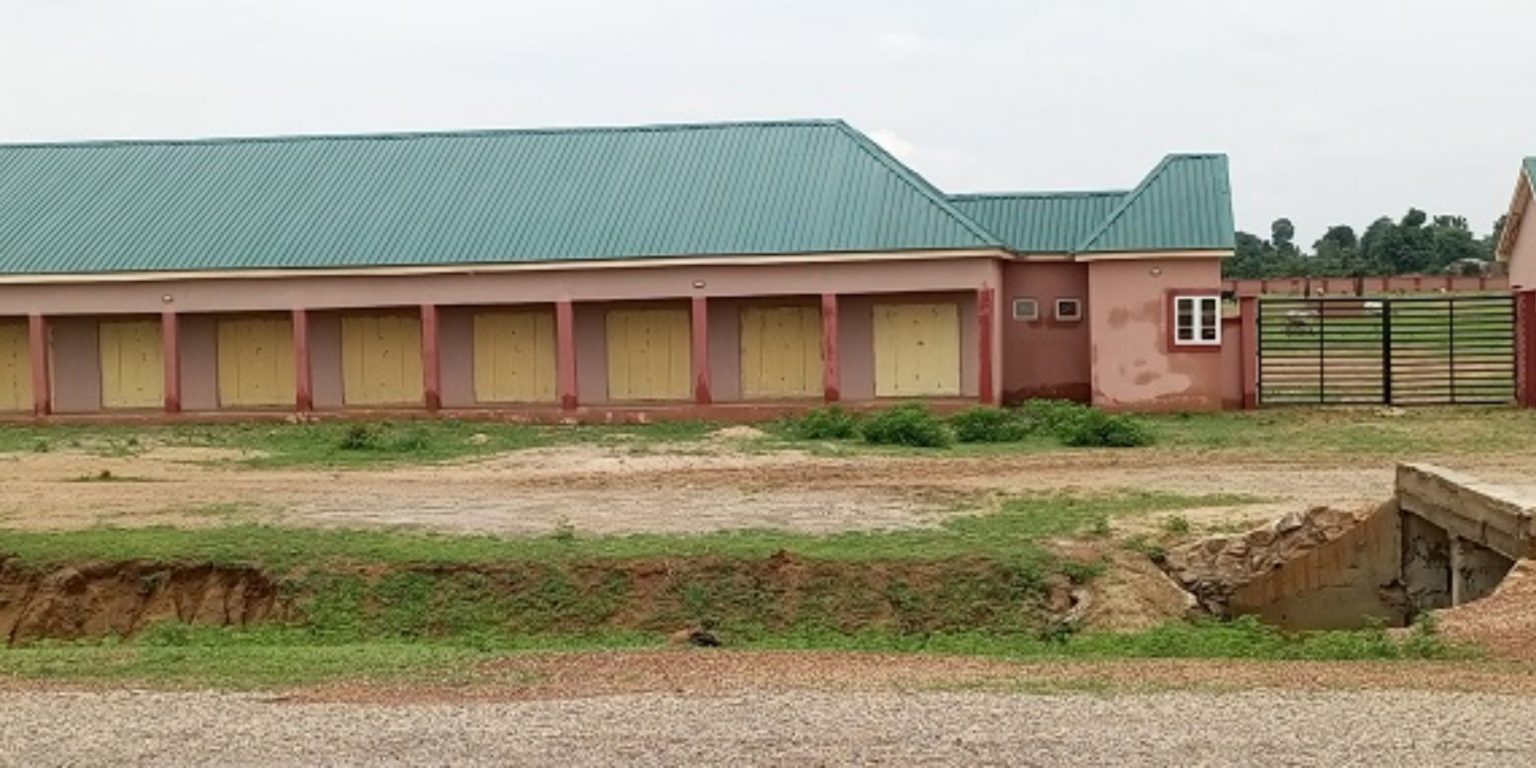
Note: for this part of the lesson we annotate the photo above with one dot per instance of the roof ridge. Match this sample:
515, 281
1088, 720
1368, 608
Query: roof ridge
1020, 195
1125, 205
917, 182
440, 134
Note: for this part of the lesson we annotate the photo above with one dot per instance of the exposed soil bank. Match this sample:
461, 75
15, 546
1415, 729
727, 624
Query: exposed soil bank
96, 599
778, 594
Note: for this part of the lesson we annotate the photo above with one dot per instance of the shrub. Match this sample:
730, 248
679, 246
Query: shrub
1097, 429
910, 425
831, 423
1053, 416
361, 437
988, 425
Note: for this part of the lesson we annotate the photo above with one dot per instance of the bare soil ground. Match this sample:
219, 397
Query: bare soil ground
707, 485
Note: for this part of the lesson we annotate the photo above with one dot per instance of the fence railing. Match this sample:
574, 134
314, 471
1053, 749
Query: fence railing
1366, 286
1405, 350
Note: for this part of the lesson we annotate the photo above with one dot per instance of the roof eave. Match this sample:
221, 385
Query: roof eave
1525, 190
478, 268
1154, 253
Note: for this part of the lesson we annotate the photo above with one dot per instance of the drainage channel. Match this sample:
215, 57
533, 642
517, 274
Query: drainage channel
1443, 540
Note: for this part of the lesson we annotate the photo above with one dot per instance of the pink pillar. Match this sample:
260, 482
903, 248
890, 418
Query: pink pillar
565, 354
1248, 348
170, 350
303, 384
701, 350
986, 300
37, 342
830, 374
431, 359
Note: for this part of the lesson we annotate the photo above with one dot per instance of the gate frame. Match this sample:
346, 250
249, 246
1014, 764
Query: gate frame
1523, 358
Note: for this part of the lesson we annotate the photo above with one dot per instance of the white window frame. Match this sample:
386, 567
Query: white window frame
1197, 326
1076, 315
1034, 312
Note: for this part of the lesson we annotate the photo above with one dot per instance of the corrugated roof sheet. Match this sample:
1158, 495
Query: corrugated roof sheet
1530, 171
465, 198
1184, 204
1043, 222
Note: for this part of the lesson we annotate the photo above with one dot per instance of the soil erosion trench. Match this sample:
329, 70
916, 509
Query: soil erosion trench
1443, 540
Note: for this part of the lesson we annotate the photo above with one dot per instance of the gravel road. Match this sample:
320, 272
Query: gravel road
777, 728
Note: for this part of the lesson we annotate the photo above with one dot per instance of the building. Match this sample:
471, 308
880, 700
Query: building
1516, 248
728, 270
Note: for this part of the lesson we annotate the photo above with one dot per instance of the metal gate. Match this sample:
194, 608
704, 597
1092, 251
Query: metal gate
1412, 350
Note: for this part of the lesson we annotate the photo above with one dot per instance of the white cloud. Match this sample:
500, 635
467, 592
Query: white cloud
904, 150
1331, 111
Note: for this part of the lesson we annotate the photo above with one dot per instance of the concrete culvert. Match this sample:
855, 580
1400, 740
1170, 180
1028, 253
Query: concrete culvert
1444, 540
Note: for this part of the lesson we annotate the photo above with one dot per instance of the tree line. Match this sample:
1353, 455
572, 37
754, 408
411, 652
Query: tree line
1415, 244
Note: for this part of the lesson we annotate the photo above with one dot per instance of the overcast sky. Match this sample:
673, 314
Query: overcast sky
1333, 111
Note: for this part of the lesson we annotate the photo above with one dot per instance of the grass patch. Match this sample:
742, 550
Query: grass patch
341, 443
1018, 529
1414, 432
1243, 638
181, 657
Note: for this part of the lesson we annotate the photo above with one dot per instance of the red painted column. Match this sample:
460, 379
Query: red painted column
565, 354
170, 352
701, 350
37, 342
1248, 349
986, 311
303, 380
831, 373
1525, 348
431, 359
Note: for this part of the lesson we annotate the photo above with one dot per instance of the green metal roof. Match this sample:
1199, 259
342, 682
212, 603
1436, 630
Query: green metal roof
465, 198
1042, 222
1185, 204
1530, 171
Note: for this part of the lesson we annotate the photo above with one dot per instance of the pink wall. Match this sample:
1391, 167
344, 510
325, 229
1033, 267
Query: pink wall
77, 380
1231, 364
1133, 366
1522, 255
199, 362
725, 348
1045, 357
456, 356
318, 292
325, 359
75, 360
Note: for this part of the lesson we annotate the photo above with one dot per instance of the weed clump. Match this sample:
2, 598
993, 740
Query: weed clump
411, 441
361, 437
909, 425
829, 423
980, 424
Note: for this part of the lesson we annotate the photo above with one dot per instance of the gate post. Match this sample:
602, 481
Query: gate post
1525, 348
1386, 352
1248, 349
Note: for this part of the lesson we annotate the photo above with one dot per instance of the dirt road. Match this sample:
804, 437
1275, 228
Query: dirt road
693, 487
1263, 728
